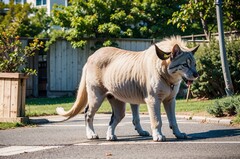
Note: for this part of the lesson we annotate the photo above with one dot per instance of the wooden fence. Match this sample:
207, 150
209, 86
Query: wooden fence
201, 38
65, 63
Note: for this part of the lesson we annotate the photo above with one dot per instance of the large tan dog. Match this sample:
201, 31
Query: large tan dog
151, 76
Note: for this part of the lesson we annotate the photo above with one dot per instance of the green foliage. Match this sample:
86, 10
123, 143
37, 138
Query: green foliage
231, 14
13, 57
34, 22
201, 16
229, 107
215, 110
113, 19
20, 21
237, 119
5, 125
211, 84
38, 24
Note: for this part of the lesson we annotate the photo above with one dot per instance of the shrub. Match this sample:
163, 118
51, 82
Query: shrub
229, 107
211, 82
13, 57
216, 109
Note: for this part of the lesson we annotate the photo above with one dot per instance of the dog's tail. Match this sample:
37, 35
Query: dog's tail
80, 102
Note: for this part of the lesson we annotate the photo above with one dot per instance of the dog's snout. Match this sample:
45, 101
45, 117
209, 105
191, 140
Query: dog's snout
195, 75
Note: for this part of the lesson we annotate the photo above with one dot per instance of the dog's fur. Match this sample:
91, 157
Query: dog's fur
151, 76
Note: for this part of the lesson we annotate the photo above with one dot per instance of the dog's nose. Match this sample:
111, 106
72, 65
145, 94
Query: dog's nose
195, 74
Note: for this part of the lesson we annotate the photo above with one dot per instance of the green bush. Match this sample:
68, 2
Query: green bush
216, 109
229, 107
211, 82
13, 57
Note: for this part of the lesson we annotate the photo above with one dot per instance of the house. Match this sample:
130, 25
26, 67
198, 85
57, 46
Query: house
41, 3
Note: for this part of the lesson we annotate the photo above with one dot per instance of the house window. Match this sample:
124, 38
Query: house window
20, 1
41, 2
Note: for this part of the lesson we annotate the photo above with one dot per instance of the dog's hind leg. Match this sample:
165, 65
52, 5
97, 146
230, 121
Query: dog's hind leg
136, 120
118, 114
95, 99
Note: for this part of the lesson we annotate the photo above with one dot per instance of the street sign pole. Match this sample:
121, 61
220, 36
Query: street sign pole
225, 68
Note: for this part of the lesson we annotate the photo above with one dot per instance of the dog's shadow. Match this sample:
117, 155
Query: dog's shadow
211, 134
220, 133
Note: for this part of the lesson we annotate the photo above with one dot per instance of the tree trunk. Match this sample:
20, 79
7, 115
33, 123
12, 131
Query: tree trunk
204, 24
205, 27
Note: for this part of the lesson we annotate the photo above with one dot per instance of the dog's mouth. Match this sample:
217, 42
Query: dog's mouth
188, 82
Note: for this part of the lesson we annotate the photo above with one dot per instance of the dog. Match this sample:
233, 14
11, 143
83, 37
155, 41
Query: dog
151, 76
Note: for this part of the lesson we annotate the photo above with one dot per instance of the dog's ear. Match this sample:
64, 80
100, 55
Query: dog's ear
161, 54
193, 50
175, 51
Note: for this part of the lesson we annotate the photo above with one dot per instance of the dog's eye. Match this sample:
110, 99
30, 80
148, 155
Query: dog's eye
185, 65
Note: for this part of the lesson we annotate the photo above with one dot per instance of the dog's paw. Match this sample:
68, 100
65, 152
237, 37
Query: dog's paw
143, 133
159, 138
181, 136
92, 136
111, 137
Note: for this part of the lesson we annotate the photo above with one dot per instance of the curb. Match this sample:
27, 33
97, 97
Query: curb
206, 119
201, 119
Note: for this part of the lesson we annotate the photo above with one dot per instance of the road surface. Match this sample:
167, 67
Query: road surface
67, 140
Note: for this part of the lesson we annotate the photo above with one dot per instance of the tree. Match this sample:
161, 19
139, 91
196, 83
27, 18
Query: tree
202, 14
16, 22
34, 22
13, 57
232, 15
113, 19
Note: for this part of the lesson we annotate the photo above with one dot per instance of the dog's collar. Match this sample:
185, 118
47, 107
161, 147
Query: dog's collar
167, 82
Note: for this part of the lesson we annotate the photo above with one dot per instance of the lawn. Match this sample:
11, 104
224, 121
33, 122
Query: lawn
47, 106
4, 126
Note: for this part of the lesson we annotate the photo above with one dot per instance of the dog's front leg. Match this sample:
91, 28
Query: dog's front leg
155, 118
170, 110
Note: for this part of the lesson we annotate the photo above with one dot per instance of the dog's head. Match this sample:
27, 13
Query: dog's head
182, 62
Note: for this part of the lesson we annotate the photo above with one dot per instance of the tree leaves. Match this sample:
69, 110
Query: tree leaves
114, 19
13, 57
203, 14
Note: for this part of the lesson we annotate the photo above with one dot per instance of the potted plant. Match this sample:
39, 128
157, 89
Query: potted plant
13, 73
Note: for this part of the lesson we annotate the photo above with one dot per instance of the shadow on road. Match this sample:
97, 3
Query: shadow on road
194, 136
134, 138
214, 134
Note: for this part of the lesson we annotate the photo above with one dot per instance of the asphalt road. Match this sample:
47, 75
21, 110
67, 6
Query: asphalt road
67, 140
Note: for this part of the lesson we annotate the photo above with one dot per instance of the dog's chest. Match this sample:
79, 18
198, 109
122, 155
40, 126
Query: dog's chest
167, 91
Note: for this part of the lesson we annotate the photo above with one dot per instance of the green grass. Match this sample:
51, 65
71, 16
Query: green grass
4, 126
47, 106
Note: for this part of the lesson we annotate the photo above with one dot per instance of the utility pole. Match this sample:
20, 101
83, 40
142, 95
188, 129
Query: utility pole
225, 68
